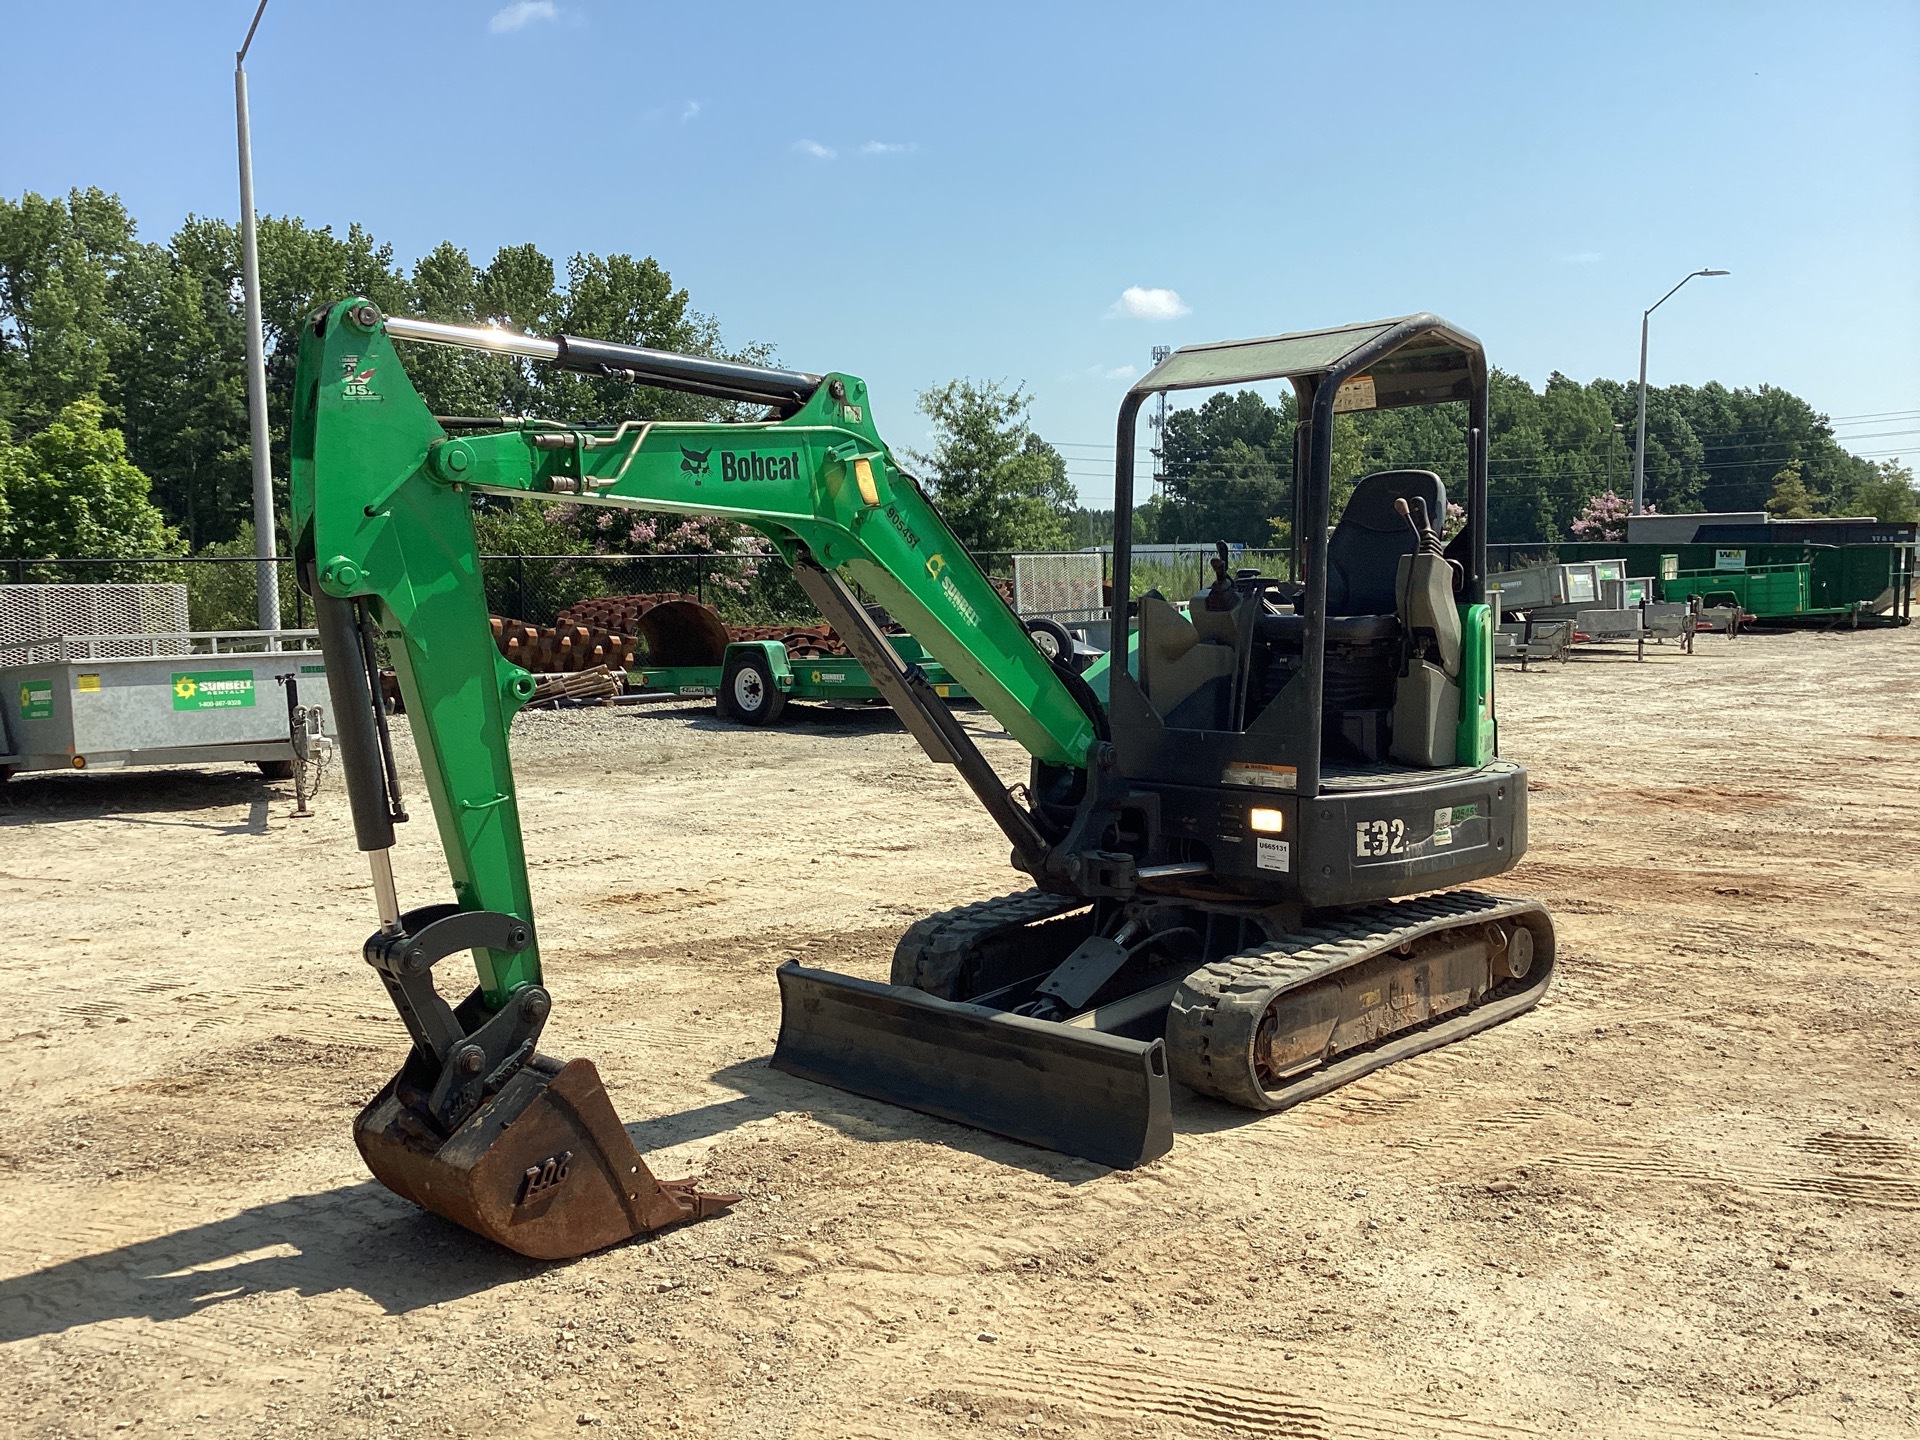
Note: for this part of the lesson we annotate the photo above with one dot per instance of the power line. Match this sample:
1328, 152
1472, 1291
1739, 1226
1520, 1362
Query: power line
1719, 438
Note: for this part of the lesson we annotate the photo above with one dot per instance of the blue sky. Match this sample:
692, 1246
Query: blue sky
912, 193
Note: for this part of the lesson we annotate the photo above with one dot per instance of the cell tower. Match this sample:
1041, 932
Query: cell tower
1158, 423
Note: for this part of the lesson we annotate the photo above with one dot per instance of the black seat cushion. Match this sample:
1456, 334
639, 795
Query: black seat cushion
1289, 632
1363, 553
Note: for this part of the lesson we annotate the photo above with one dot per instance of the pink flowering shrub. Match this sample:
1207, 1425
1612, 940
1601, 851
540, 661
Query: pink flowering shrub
1604, 518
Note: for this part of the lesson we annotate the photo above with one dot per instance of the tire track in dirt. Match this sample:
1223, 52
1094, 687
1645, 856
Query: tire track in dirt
1241, 1392
1879, 1188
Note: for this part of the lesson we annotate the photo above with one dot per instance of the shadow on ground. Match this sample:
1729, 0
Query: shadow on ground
357, 1238
764, 1091
363, 1239
139, 797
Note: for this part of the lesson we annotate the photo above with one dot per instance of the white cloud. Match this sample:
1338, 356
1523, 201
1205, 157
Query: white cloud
815, 149
1138, 302
1113, 372
521, 14
1584, 257
883, 147
690, 111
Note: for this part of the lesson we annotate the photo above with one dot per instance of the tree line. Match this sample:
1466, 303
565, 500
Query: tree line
123, 400
135, 352
123, 407
1228, 462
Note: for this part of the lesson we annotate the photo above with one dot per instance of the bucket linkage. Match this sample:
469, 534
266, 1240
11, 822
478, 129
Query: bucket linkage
482, 1129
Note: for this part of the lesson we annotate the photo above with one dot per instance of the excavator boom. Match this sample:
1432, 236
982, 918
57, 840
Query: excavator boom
382, 517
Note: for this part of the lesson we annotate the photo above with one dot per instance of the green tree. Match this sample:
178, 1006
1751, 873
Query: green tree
1887, 492
180, 384
62, 264
8, 464
1789, 499
1229, 470
999, 486
71, 493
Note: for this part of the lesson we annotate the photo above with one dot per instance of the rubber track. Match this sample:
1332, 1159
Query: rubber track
1211, 1023
931, 954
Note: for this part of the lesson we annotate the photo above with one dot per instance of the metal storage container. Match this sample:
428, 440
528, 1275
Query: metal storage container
87, 702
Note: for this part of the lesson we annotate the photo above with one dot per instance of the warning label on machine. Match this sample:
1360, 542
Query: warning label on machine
36, 699
213, 690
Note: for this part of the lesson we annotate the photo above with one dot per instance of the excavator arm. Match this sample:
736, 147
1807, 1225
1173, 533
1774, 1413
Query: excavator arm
478, 1126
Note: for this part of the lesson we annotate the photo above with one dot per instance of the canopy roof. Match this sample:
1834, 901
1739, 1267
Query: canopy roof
1410, 360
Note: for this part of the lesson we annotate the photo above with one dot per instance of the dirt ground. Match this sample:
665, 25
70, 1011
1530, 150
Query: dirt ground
1681, 1198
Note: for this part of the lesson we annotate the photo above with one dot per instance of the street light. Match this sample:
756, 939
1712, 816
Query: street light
266, 576
1640, 445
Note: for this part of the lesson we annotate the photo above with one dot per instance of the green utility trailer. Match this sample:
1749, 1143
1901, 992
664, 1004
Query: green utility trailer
1855, 584
1769, 592
757, 677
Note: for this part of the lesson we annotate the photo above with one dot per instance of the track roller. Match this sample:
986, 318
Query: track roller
1285, 1022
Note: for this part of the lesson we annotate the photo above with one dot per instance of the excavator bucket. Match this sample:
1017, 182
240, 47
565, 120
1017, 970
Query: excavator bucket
1102, 1097
543, 1167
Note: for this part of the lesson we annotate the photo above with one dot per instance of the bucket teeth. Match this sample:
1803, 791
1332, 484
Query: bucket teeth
543, 1167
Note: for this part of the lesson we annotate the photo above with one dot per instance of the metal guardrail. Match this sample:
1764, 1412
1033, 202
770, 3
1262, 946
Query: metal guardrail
182, 645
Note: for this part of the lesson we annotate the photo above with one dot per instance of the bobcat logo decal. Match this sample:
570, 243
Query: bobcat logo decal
694, 462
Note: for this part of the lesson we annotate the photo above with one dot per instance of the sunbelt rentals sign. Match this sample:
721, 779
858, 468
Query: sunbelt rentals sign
213, 690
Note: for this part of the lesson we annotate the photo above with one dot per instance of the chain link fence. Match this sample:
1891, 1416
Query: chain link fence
745, 589
221, 590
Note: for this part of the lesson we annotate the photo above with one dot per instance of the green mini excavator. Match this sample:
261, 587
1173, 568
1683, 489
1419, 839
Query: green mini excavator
1241, 834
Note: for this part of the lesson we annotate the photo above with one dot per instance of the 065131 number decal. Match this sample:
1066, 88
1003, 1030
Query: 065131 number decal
1374, 838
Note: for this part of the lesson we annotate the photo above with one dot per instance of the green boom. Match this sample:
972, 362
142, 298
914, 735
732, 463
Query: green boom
382, 512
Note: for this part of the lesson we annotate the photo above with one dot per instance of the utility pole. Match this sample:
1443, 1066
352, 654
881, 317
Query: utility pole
1158, 424
266, 572
1640, 443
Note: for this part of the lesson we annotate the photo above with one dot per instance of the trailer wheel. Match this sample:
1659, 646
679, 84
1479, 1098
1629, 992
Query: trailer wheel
1051, 639
748, 692
276, 769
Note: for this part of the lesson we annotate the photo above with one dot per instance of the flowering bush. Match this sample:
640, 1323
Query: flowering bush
629, 532
1604, 518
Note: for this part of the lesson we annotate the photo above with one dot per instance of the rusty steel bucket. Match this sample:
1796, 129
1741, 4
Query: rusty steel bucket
543, 1167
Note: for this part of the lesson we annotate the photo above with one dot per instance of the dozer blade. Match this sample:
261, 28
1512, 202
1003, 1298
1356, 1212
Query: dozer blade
543, 1167
1101, 1097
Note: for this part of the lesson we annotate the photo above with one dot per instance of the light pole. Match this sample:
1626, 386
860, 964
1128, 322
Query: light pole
266, 574
1640, 440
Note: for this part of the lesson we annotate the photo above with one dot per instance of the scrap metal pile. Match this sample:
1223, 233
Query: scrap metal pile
815, 642
620, 612
627, 631
561, 649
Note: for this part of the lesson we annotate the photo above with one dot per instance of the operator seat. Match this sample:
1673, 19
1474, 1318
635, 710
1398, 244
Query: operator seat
1363, 553
1365, 556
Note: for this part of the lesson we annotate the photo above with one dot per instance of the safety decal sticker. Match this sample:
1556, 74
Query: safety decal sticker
1267, 777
